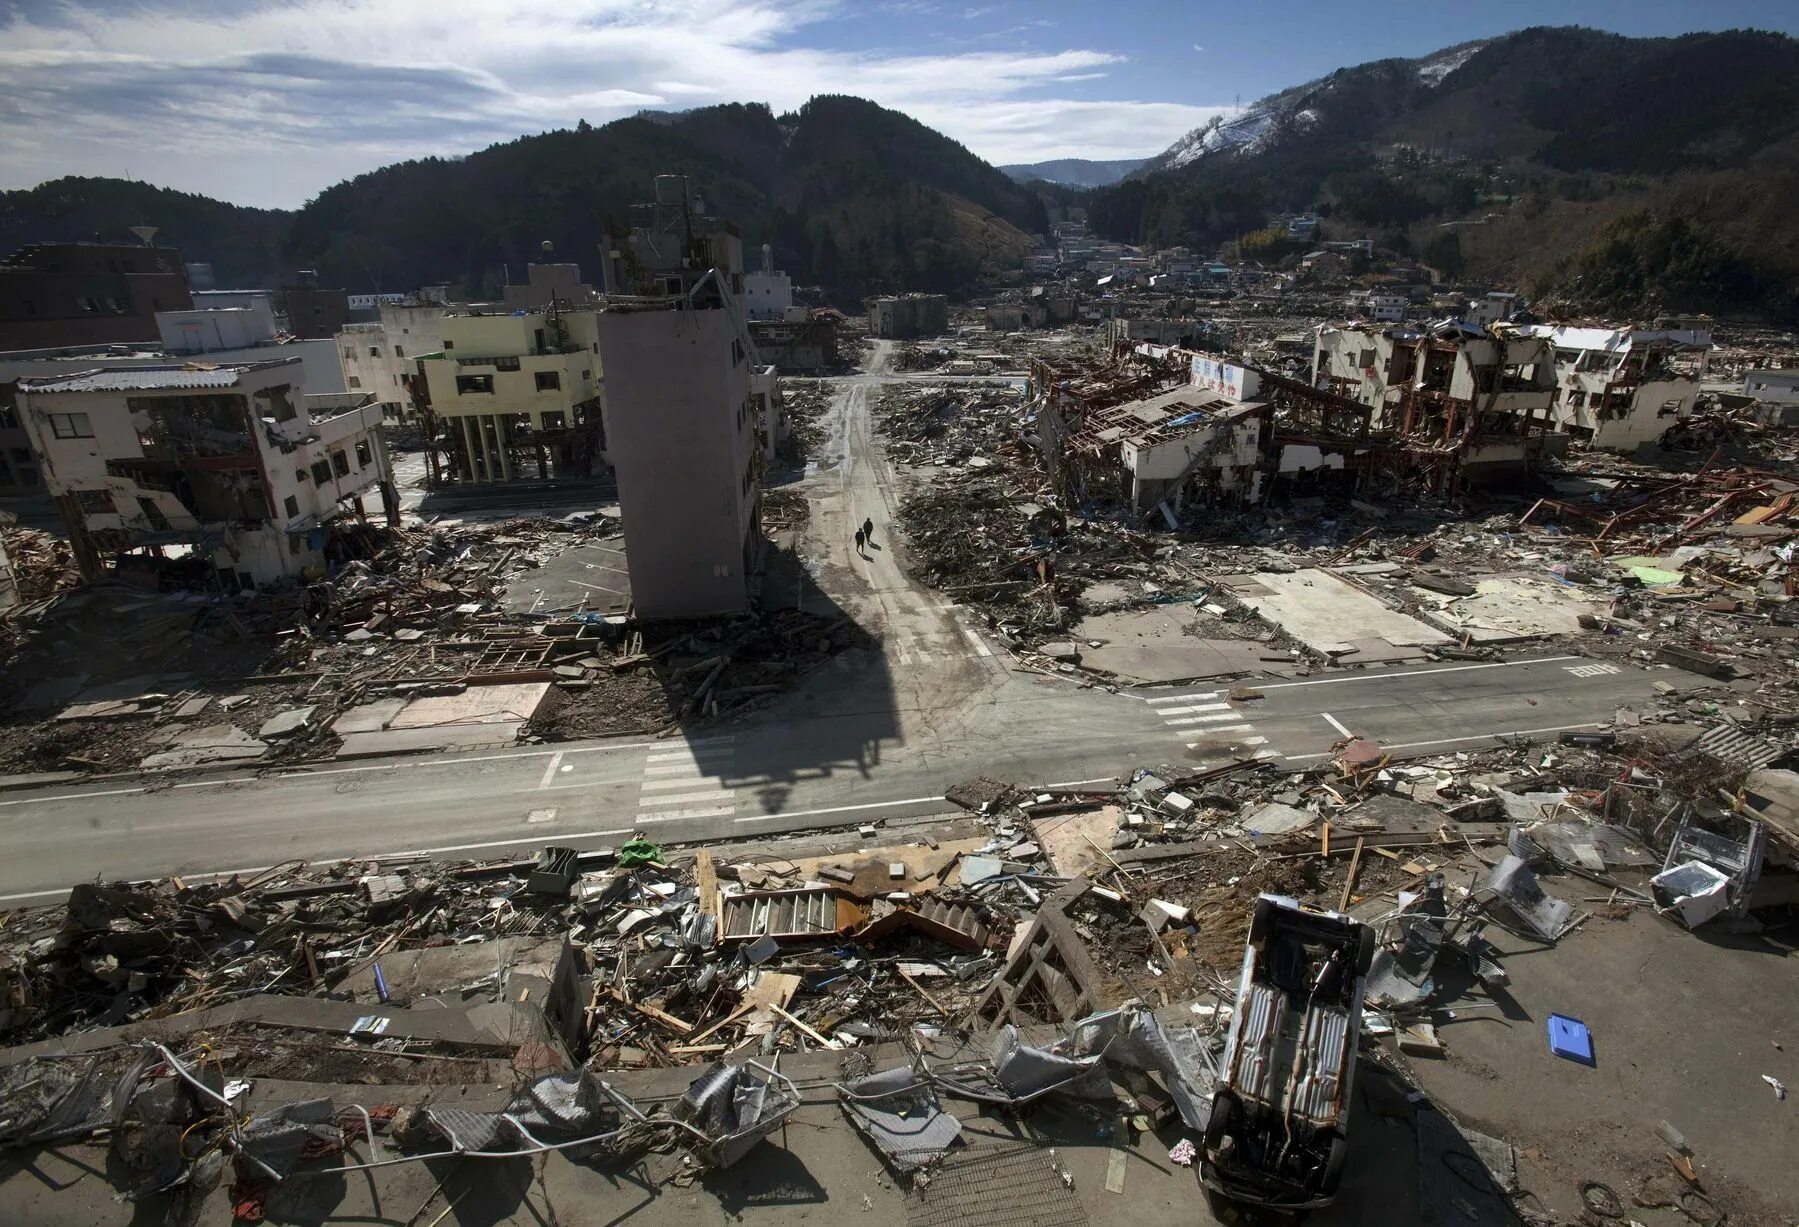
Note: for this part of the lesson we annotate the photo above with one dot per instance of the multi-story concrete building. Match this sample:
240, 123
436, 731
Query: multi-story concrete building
382, 358
1488, 398
908, 315
549, 285
516, 394
58, 294
682, 433
226, 460
312, 312
203, 329
1618, 388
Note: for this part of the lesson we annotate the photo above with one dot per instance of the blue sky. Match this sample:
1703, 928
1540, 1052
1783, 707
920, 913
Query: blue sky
269, 101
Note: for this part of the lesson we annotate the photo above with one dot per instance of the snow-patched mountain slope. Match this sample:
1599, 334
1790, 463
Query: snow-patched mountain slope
1260, 125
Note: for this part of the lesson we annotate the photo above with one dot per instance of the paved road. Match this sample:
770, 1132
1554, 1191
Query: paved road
875, 734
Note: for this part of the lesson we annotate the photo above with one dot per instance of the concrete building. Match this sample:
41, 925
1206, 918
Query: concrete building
516, 395
311, 312
1617, 388
1773, 386
1187, 445
1384, 308
806, 344
1490, 399
58, 294
549, 285
1491, 308
203, 329
908, 315
227, 461
767, 292
382, 358
18, 463
682, 433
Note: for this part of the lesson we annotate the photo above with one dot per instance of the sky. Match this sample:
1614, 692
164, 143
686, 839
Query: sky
267, 102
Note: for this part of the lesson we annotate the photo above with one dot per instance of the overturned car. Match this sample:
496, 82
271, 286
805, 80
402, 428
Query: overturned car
1276, 1133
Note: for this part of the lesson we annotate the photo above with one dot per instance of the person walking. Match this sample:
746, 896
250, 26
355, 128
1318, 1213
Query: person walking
868, 530
859, 543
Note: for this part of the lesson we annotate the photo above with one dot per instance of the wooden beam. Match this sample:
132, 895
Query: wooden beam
828, 1043
708, 882
1355, 865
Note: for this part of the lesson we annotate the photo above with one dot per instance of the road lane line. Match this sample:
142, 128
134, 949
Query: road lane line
1381, 677
549, 772
1181, 711
673, 769
1223, 717
979, 645
837, 809
1180, 698
1255, 741
77, 796
1450, 741
1336, 724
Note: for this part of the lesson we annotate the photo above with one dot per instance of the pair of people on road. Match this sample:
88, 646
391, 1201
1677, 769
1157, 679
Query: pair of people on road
865, 536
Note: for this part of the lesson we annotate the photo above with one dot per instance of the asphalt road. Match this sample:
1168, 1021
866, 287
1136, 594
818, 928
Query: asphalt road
876, 734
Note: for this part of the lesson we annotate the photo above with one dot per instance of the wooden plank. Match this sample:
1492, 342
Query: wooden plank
726, 1021
1115, 1169
707, 877
923, 992
650, 1011
1355, 866
828, 1043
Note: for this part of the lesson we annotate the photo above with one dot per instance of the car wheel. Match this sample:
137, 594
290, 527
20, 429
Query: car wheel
1333, 1165
1258, 921
1364, 958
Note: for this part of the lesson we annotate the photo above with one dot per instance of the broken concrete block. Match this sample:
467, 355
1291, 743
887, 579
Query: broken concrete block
286, 724
1276, 818
1061, 651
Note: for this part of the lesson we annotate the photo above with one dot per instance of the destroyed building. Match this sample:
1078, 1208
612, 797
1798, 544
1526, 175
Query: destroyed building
382, 358
512, 395
908, 315
1619, 388
672, 245
228, 462
1487, 399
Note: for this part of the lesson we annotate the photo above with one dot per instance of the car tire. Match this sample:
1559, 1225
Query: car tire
1258, 921
1364, 958
1218, 1125
1333, 1165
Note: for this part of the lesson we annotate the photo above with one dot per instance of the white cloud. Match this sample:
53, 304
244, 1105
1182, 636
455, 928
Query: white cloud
269, 101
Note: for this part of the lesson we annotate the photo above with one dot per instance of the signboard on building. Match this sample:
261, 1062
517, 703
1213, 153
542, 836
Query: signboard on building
1236, 382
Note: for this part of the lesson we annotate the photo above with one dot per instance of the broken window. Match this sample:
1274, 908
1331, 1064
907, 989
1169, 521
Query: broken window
349, 354
340, 463
291, 505
399, 352
374, 351
355, 382
71, 426
280, 405
554, 420
153, 514
468, 384
364, 455
321, 472
95, 502
548, 381
504, 364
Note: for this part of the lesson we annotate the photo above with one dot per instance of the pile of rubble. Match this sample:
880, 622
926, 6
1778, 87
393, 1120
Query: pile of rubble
443, 637
948, 424
42, 565
804, 404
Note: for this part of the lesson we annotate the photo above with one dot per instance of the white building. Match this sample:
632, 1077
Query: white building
381, 358
1618, 388
1385, 308
208, 329
767, 293
227, 461
1491, 308
1773, 386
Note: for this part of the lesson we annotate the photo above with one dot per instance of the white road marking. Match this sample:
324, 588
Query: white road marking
549, 771
1104, 779
1255, 741
675, 815
1180, 698
673, 769
1181, 711
1451, 741
837, 809
1593, 670
1381, 677
1336, 724
683, 782
715, 796
1223, 717
979, 645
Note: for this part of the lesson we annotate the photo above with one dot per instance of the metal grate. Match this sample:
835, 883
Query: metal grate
996, 1186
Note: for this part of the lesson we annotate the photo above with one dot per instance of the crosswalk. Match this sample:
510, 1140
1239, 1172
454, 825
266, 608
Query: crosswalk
1209, 726
688, 781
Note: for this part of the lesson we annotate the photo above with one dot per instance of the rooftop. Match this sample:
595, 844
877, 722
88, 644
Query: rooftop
151, 378
1170, 415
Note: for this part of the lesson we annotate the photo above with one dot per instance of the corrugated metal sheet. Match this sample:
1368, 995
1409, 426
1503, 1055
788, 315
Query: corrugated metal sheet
143, 379
1731, 744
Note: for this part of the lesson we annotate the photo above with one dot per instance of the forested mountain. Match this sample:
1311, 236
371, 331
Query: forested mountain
852, 196
1073, 172
243, 244
1540, 157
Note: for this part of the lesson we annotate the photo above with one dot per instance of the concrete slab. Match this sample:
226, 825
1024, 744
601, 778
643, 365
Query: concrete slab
367, 717
1069, 839
509, 702
1322, 611
1159, 646
286, 724
1277, 819
488, 736
1506, 608
215, 743
590, 577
